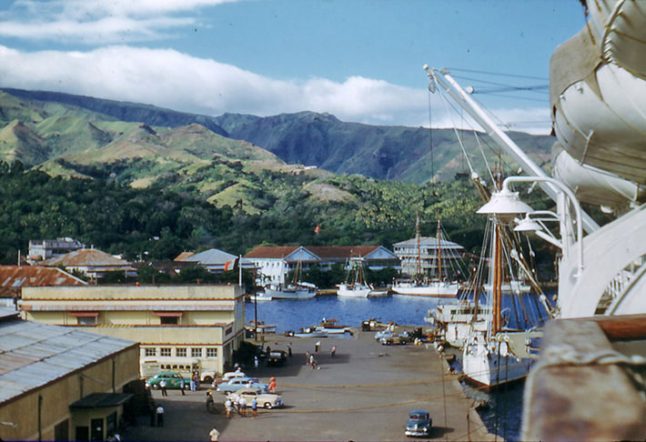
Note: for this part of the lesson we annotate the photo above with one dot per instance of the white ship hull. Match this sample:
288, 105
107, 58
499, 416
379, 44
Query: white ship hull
356, 291
436, 290
490, 363
290, 293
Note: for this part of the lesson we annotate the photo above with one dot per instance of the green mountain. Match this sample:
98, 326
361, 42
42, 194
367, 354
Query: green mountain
69, 124
382, 152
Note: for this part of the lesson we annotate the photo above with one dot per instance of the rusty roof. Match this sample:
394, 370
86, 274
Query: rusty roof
341, 251
270, 251
13, 278
183, 256
86, 257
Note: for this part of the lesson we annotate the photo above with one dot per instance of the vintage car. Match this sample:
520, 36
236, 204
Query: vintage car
238, 383
276, 357
265, 400
383, 334
172, 378
395, 340
419, 423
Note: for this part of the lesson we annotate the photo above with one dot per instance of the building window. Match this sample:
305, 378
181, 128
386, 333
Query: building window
86, 320
211, 352
165, 351
180, 352
150, 351
196, 352
228, 331
169, 320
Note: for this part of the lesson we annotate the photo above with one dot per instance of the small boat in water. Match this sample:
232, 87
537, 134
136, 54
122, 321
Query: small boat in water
355, 285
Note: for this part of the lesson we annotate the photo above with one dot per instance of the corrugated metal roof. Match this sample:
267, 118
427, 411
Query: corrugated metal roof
87, 257
13, 278
34, 354
211, 257
427, 241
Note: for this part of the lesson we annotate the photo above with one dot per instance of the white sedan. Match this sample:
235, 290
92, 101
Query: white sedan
264, 400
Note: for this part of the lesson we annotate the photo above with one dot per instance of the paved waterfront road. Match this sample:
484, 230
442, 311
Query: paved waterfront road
363, 394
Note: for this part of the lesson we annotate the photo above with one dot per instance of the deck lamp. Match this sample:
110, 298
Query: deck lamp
505, 204
563, 216
534, 223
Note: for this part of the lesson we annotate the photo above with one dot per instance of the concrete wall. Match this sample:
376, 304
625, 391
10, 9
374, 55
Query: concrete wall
59, 394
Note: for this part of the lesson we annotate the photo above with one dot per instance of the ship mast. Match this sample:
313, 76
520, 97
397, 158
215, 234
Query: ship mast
418, 237
497, 279
439, 251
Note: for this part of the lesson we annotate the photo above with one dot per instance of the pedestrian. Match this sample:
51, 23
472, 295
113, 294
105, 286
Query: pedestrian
236, 404
312, 362
181, 387
160, 416
162, 386
243, 407
153, 415
196, 380
289, 349
228, 407
272, 385
307, 358
192, 384
317, 346
210, 402
254, 407
256, 362
333, 351
214, 434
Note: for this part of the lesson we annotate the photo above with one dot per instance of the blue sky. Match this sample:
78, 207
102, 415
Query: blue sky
358, 59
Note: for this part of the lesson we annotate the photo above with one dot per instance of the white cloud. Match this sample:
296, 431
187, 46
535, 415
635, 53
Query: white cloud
171, 79
98, 21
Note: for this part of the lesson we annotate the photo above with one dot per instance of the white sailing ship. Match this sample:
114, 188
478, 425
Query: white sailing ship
438, 286
297, 289
355, 285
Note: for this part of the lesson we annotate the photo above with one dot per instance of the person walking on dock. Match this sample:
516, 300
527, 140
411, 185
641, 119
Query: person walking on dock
214, 434
254, 407
162, 386
317, 346
160, 416
307, 358
228, 407
333, 351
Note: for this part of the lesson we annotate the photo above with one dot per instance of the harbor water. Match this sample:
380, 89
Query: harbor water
503, 413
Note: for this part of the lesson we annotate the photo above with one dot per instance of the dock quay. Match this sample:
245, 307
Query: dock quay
364, 393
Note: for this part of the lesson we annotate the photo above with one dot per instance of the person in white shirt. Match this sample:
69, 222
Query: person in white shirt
214, 434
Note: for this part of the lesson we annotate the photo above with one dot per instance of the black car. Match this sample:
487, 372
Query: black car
419, 423
276, 357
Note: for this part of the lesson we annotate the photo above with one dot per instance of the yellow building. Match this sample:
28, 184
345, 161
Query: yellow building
59, 383
184, 328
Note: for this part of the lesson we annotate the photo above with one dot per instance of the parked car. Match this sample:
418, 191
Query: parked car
226, 377
383, 334
238, 383
265, 400
419, 423
395, 340
172, 378
277, 357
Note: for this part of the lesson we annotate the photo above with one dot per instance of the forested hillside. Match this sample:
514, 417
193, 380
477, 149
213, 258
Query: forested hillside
120, 219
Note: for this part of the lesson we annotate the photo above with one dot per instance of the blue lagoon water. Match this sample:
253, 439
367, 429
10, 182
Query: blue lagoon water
287, 314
